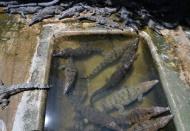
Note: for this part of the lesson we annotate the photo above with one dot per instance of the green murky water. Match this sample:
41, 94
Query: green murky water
60, 114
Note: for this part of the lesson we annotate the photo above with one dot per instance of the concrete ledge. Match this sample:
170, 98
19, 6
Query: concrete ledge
175, 90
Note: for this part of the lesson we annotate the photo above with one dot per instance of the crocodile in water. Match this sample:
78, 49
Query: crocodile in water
152, 125
115, 78
70, 75
78, 52
110, 58
125, 96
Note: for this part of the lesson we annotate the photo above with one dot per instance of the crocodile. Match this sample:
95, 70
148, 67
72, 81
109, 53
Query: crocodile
24, 10
70, 75
100, 20
45, 13
73, 11
110, 58
78, 52
7, 91
106, 11
43, 4
152, 125
5, 3
93, 116
115, 79
141, 114
125, 96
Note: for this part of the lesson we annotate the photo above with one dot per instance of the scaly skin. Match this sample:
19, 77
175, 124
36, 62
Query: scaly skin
46, 12
101, 21
75, 10
110, 58
141, 114
70, 75
8, 91
96, 117
117, 76
125, 96
24, 10
152, 125
78, 52
8, 3
43, 4
100, 11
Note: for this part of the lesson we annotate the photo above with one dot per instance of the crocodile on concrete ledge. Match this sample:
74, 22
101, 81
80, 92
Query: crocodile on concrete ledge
125, 96
78, 52
73, 11
100, 11
45, 13
6, 3
101, 21
8, 91
24, 10
43, 4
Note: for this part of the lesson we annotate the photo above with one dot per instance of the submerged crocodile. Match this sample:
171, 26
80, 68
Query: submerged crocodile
24, 10
78, 52
8, 91
110, 58
152, 125
70, 75
115, 78
45, 13
75, 10
125, 96
141, 114
96, 117
102, 119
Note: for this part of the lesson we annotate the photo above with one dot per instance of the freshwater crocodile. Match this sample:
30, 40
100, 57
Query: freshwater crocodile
7, 91
106, 11
43, 4
70, 75
45, 13
78, 52
101, 21
75, 10
5, 3
96, 117
110, 58
141, 114
125, 96
152, 125
24, 10
115, 78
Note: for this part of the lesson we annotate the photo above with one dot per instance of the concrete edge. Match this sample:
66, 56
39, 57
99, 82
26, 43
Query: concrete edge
175, 90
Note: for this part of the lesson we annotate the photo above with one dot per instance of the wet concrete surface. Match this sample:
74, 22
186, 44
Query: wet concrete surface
17, 46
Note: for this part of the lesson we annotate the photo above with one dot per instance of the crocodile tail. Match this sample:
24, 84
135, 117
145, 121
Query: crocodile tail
97, 95
96, 70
